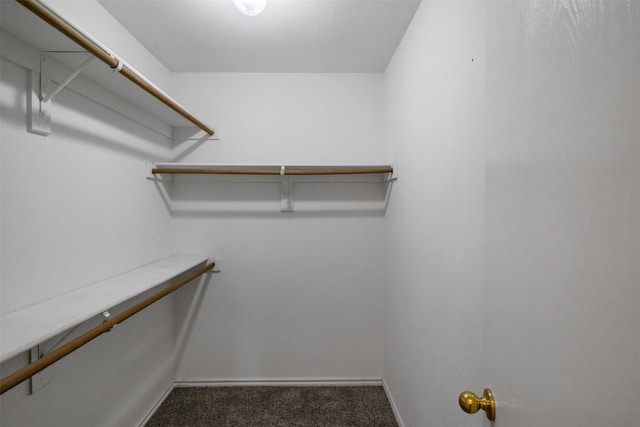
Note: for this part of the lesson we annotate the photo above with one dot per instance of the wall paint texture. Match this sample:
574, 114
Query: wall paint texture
300, 294
558, 87
563, 212
345, 294
435, 88
288, 118
75, 210
92, 18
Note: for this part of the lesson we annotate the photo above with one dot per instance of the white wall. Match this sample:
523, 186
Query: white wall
300, 295
315, 295
557, 85
563, 212
76, 209
288, 118
435, 90
92, 18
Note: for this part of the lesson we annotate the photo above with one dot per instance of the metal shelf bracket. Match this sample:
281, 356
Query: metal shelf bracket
393, 176
38, 115
53, 92
286, 194
39, 96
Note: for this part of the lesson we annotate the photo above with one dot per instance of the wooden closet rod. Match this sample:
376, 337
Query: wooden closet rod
108, 58
350, 171
201, 171
28, 371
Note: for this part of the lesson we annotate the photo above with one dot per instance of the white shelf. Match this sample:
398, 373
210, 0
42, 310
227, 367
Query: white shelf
24, 34
25, 328
386, 171
225, 188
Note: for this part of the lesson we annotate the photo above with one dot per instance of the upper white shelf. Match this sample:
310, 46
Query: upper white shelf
41, 27
25, 328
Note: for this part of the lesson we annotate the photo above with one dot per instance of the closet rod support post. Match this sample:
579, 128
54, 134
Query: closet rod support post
286, 193
38, 114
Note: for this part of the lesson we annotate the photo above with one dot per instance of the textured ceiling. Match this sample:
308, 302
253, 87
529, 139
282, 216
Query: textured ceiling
320, 36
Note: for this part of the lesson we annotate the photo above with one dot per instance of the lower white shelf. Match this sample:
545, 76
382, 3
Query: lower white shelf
25, 328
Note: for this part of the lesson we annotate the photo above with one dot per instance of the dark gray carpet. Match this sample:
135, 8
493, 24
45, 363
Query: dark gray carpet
275, 406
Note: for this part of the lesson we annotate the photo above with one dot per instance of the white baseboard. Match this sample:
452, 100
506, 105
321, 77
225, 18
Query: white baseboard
155, 407
294, 382
394, 408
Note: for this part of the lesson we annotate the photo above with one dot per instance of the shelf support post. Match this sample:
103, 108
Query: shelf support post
38, 113
286, 192
41, 378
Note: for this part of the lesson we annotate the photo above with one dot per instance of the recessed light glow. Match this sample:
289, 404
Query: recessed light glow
250, 7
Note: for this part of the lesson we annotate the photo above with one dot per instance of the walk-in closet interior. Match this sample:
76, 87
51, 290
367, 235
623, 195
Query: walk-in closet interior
430, 197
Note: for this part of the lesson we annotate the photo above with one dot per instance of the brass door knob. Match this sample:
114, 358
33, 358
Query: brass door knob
471, 403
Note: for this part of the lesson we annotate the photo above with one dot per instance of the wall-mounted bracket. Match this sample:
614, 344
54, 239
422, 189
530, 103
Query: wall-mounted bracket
393, 176
286, 194
148, 167
43, 377
38, 115
156, 177
53, 92
217, 268
40, 94
190, 133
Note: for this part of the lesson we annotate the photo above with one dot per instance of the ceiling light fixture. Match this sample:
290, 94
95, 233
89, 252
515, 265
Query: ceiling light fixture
250, 7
